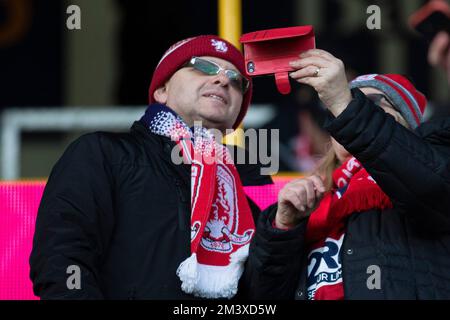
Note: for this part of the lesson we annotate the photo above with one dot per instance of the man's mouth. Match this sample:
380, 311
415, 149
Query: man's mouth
216, 97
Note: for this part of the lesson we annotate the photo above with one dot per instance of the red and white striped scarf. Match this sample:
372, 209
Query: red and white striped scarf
221, 220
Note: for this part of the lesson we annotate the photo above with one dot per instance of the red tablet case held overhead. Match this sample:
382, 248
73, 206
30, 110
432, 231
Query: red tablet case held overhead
270, 51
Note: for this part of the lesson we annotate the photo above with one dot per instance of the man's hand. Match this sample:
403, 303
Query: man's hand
439, 52
326, 74
297, 200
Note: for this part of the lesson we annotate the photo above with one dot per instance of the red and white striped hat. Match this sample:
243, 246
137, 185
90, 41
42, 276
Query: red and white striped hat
410, 102
204, 45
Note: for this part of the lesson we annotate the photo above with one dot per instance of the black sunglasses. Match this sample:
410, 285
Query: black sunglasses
211, 68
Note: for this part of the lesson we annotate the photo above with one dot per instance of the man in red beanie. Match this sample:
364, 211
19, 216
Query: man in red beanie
220, 102
120, 219
373, 221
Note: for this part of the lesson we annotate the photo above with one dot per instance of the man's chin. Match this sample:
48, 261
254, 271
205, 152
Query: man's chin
215, 123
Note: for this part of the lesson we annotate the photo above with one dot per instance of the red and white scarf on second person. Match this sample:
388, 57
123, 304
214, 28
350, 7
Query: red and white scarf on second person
221, 220
354, 191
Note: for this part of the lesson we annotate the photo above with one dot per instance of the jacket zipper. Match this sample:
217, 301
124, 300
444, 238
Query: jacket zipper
181, 205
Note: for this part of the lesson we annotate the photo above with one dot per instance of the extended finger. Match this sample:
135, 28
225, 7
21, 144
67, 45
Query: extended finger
317, 53
310, 81
310, 71
310, 61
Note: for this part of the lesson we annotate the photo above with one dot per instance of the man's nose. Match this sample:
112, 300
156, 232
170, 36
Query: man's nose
221, 78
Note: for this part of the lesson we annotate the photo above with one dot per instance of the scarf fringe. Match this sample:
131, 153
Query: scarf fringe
188, 273
361, 201
212, 282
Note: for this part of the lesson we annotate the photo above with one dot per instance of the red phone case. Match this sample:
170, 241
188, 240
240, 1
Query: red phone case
270, 51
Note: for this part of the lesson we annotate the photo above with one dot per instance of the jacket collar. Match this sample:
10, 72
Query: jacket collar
160, 145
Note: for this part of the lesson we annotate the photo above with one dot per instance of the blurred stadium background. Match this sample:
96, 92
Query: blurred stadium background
56, 84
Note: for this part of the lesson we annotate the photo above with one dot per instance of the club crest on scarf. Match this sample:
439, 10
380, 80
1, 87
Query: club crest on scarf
221, 230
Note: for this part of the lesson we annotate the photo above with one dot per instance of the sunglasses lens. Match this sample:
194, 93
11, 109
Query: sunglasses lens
210, 68
237, 80
206, 67
234, 77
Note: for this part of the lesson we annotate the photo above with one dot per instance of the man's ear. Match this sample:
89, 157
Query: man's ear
160, 95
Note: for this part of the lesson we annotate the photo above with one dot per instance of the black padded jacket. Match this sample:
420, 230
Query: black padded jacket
410, 243
116, 206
